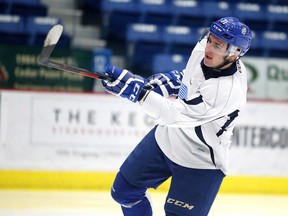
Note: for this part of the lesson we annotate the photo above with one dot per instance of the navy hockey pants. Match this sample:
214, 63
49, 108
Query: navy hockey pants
191, 193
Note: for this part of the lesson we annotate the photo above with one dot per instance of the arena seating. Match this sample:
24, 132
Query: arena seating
24, 7
179, 39
12, 29
180, 22
37, 28
172, 61
172, 26
144, 32
25, 22
144, 41
28, 30
214, 9
195, 13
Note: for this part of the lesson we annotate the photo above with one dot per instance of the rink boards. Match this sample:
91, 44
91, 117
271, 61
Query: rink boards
103, 181
78, 141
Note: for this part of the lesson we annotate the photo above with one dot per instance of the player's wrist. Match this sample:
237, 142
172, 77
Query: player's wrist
144, 93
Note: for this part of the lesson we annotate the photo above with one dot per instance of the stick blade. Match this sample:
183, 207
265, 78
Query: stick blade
50, 42
53, 35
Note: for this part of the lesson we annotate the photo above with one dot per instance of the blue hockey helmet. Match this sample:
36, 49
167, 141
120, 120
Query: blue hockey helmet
233, 32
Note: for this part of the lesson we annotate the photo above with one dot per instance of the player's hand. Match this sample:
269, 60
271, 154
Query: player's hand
166, 84
125, 84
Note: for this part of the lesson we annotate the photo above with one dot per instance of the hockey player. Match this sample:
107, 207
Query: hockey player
191, 140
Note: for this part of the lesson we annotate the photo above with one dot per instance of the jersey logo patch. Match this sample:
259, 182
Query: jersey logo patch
183, 92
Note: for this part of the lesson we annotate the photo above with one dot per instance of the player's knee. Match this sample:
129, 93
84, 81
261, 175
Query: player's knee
125, 193
118, 196
118, 190
124, 198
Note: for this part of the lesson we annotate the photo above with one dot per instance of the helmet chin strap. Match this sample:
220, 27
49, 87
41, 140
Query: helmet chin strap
232, 50
225, 62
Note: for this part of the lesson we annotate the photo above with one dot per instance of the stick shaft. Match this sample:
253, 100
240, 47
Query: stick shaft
76, 70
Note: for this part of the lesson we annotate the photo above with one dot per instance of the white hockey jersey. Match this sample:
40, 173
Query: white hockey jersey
195, 129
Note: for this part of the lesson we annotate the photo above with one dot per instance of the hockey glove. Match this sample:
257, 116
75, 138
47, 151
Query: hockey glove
126, 84
166, 84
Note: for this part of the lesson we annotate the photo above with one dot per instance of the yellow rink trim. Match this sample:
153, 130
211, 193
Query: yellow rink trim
14, 179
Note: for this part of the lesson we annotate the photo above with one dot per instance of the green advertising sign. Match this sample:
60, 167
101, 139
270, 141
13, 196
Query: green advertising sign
19, 69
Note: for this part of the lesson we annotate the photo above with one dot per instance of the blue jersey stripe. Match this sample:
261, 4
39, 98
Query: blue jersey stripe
199, 133
194, 101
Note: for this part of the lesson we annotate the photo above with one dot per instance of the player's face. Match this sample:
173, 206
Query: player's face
215, 51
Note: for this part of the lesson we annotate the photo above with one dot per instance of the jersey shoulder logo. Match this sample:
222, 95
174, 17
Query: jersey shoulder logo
183, 92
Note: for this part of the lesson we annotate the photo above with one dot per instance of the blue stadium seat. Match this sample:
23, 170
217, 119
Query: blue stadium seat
144, 32
216, 10
249, 11
117, 16
119, 5
256, 48
12, 29
29, 2
277, 2
117, 24
187, 7
4, 7
144, 41
178, 35
26, 7
258, 1
256, 42
92, 11
278, 15
253, 14
37, 24
12, 23
179, 39
24, 2
278, 12
275, 40
189, 13
156, 6
199, 32
275, 44
155, 12
38, 27
91, 4
167, 62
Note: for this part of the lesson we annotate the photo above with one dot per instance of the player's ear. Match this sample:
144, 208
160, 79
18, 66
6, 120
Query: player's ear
236, 55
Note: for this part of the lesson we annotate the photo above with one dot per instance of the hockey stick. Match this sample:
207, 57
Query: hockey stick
49, 44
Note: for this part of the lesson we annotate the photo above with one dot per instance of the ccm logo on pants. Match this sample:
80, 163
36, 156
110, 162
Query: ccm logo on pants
180, 203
